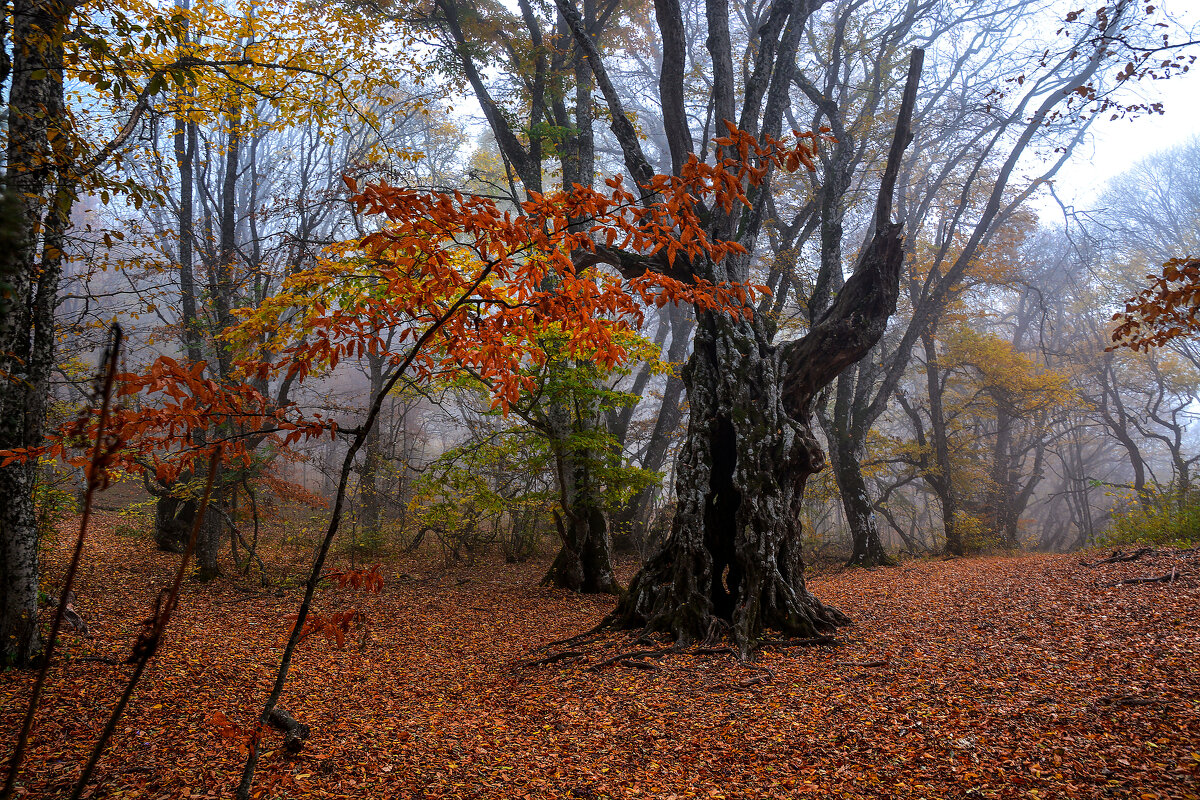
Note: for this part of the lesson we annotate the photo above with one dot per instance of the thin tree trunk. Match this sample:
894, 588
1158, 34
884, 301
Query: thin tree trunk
941, 477
846, 455
370, 506
630, 522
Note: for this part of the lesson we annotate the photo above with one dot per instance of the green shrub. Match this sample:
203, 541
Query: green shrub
53, 505
976, 534
136, 519
1169, 517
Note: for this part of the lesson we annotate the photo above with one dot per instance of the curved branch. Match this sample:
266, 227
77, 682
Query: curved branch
856, 320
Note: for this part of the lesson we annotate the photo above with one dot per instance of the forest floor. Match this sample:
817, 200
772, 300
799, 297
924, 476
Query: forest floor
970, 678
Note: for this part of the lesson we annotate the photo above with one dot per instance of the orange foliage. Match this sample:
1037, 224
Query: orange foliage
1165, 310
453, 281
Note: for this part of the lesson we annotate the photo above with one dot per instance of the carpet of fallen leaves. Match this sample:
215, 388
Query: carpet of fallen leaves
989, 677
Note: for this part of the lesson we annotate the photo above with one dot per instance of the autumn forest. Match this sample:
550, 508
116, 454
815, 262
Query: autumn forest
615, 399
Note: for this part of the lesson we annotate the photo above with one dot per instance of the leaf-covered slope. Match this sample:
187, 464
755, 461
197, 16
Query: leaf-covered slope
996, 677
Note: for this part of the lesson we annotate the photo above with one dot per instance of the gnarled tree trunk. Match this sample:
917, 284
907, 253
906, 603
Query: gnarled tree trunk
732, 560
732, 563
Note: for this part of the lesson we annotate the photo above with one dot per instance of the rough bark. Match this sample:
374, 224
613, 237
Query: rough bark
732, 560
209, 542
38, 196
294, 733
173, 521
22, 641
584, 562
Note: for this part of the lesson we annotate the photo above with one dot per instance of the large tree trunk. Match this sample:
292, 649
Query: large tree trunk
22, 641
733, 557
1004, 477
38, 196
210, 541
174, 518
584, 562
732, 563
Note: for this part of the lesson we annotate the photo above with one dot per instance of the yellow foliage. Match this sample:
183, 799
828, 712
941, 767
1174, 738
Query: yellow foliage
1005, 374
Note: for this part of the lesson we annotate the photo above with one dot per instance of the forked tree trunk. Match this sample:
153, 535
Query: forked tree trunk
174, 518
172, 521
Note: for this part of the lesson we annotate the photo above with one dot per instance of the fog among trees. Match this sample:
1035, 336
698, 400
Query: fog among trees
672, 304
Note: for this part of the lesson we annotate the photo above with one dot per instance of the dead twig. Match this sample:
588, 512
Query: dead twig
862, 664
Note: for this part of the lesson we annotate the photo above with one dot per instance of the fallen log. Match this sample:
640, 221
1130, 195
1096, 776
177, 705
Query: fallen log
294, 733
1119, 558
1165, 578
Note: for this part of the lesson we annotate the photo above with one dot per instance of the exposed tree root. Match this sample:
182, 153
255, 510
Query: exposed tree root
631, 658
585, 638
554, 658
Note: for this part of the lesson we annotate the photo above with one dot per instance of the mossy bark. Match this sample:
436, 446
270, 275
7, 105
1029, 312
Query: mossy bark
584, 562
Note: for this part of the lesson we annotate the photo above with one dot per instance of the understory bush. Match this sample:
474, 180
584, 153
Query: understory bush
1167, 517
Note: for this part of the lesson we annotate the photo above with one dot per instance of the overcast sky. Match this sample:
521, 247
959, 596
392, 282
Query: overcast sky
1115, 145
